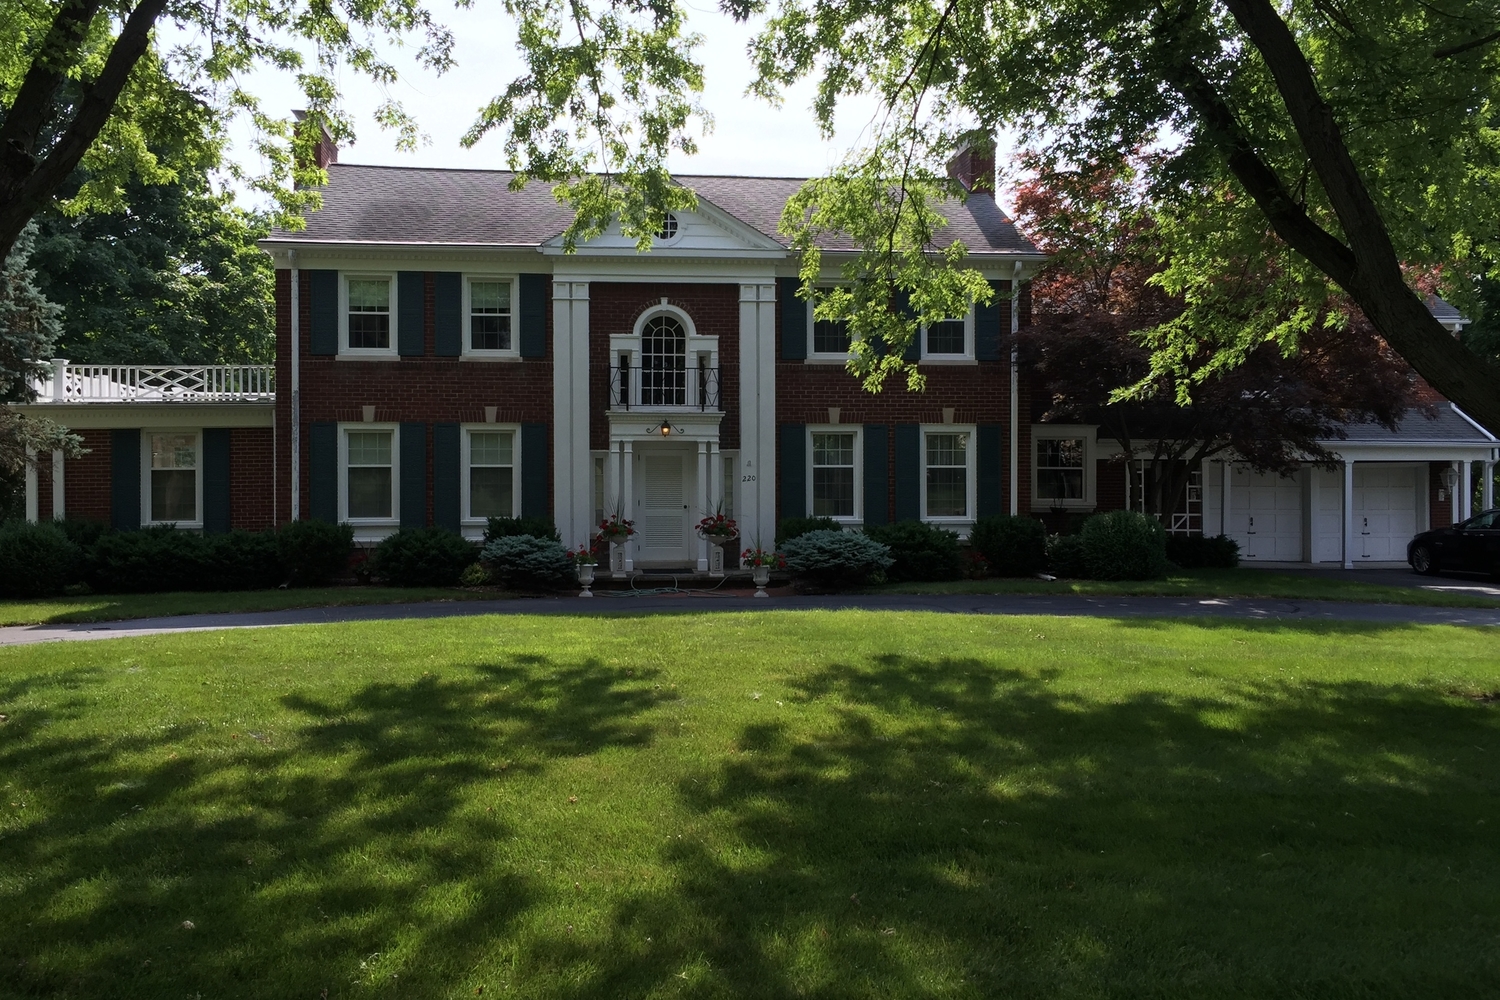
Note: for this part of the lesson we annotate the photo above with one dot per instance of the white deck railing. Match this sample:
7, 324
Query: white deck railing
157, 383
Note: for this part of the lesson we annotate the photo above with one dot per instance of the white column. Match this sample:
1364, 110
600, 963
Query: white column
60, 380
1455, 504
1348, 514
1228, 471
296, 366
758, 413
1015, 393
572, 470
1466, 490
1488, 486
715, 477
627, 496
703, 504
59, 504
614, 477
1310, 520
33, 499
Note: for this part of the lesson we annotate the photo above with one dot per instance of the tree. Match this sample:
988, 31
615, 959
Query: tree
1272, 409
82, 85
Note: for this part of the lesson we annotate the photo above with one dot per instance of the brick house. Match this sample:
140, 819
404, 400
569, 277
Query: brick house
441, 360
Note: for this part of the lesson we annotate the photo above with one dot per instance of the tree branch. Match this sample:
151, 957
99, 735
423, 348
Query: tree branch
33, 102
1455, 50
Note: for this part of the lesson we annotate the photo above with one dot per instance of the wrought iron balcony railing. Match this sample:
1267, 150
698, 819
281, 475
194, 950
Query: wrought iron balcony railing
684, 388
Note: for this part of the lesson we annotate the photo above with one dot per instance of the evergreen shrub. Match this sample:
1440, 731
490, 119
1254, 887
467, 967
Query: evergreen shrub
526, 562
1013, 546
833, 559
423, 557
36, 560
510, 527
920, 551
1065, 557
794, 527
1124, 545
314, 553
1203, 551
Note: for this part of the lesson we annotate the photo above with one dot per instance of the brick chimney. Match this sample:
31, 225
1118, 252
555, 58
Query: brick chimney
327, 150
973, 165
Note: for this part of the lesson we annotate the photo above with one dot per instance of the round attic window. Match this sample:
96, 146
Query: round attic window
668, 230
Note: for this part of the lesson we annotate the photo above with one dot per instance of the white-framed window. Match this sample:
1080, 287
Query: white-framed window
828, 339
1062, 466
367, 315
947, 473
172, 484
833, 473
949, 340
369, 455
491, 472
490, 316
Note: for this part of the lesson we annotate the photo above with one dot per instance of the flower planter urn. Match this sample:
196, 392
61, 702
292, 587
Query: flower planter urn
617, 560
715, 557
762, 576
586, 578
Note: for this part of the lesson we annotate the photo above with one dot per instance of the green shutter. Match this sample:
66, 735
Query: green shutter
125, 479
913, 350
792, 454
987, 332
216, 491
446, 465
877, 474
793, 320
411, 312
447, 314
534, 471
413, 475
323, 290
908, 448
533, 315
987, 468
323, 471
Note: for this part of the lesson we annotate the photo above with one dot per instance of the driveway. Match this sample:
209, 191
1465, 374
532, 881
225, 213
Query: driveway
1242, 608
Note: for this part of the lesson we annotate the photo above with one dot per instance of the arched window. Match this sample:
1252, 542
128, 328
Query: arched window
663, 362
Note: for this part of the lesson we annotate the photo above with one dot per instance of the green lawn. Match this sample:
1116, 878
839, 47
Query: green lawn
1459, 592
114, 607
823, 804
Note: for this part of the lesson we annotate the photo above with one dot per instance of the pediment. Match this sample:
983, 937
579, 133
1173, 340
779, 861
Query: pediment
708, 231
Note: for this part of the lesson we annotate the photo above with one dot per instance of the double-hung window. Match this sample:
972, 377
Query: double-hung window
830, 337
1059, 469
369, 486
833, 480
174, 478
490, 313
491, 473
949, 339
948, 477
368, 320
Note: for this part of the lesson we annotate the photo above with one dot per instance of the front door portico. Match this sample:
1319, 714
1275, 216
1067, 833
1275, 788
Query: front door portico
662, 506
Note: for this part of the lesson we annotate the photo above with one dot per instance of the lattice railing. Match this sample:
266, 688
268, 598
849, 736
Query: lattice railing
159, 383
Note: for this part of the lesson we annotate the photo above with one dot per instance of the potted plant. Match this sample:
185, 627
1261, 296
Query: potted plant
718, 530
615, 531
761, 561
584, 562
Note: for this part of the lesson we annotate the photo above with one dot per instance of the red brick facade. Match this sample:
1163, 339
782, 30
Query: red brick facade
252, 463
87, 479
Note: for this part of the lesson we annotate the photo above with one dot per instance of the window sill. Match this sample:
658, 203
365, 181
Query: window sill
347, 355
951, 360
826, 359
482, 356
182, 525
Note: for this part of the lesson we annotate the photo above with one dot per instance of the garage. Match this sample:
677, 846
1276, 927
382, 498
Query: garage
1386, 505
1266, 516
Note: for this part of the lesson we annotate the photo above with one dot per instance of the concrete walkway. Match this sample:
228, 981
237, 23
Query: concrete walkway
1241, 608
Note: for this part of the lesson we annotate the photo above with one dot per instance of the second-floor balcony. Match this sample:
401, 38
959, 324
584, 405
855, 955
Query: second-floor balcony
663, 386
69, 383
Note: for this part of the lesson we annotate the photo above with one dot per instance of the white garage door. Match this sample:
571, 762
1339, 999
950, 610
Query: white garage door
1385, 511
1266, 516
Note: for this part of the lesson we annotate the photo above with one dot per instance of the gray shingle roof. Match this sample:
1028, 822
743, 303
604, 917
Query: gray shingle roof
422, 205
1445, 424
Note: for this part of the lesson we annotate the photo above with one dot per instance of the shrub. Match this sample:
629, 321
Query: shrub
795, 527
510, 527
423, 557
154, 559
920, 551
313, 553
242, 560
528, 563
1124, 545
835, 558
475, 575
1065, 557
82, 531
1013, 546
36, 560
1203, 551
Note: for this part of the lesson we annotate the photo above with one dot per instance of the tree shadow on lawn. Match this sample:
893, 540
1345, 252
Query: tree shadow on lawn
965, 830
299, 856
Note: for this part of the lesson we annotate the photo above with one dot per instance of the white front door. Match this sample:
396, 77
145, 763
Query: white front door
1266, 516
661, 509
1385, 511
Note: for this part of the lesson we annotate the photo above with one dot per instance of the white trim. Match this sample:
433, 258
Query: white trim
394, 521
389, 351
466, 517
1068, 432
970, 486
968, 351
33, 496
857, 431
814, 356
466, 348
147, 520
59, 485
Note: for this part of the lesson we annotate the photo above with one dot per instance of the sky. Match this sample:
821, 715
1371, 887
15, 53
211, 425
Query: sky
749, 136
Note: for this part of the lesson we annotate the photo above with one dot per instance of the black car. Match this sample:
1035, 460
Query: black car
1472, 546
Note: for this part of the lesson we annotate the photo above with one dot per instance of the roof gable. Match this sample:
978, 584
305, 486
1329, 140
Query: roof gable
708, 230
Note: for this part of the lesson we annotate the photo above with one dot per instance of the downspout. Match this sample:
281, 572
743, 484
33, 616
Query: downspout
1015, 388
296, 418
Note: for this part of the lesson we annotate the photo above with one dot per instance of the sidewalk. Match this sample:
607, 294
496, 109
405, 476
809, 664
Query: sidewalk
1244, 608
